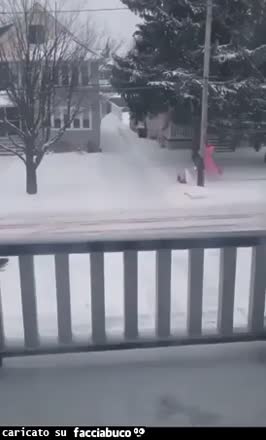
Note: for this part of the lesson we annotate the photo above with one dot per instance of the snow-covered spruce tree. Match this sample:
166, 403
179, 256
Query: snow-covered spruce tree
165, 67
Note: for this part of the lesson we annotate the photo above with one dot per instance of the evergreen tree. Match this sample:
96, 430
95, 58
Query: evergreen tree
164, 69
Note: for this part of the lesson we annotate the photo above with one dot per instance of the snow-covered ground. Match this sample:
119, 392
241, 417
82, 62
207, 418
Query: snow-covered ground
132, 179
130, 175
130, 186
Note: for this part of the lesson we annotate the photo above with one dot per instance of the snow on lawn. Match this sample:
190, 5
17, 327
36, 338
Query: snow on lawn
73, 184
131, 174
76, 184
81, 291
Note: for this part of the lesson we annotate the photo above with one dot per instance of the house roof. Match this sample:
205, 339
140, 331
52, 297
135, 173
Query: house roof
38, 8
118, 100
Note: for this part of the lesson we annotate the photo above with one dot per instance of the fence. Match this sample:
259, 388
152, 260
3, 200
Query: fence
225, 332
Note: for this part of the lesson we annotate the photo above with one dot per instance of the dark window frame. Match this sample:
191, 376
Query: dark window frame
85, 75
36, 34
74, 123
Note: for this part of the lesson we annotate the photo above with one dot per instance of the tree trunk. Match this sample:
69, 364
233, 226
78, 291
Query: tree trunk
31, 177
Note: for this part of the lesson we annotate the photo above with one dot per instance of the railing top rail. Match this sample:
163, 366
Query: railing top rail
139, 242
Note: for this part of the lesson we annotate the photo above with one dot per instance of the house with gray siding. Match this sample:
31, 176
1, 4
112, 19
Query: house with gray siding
83, 134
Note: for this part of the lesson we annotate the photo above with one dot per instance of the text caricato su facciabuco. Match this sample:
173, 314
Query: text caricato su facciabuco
73, 432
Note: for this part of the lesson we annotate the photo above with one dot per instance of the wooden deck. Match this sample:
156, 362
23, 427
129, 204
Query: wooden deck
189, 386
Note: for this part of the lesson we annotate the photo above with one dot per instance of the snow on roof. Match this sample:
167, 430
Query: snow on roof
63, 50
112, 95
119, 101
72, 43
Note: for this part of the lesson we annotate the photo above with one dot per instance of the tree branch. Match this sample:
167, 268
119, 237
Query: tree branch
13, 127
20, 147
54, 139
14, 152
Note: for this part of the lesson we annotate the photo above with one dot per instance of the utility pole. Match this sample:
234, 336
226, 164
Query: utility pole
205, 92
55, 16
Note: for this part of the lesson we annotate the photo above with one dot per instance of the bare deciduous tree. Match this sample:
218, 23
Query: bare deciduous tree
39, 48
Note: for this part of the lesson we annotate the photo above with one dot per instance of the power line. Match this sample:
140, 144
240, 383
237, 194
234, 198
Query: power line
71, 11
102, 88
94, 10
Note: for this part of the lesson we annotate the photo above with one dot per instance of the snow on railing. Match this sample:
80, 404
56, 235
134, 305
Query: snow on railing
130, 336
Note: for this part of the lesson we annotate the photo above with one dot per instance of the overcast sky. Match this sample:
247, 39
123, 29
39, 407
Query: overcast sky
119, 24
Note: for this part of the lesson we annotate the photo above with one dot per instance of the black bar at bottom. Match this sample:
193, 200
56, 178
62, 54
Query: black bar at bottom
124, 432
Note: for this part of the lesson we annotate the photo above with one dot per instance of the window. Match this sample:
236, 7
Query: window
2, 124
84, 70
13, 117
67, 116
47, 121
57, 123
65, 75
75, 76
57, 119
83, 120
36, 34
4, 76
15, 72
103, 75
11, 113
87, 119
56, 75
76, 123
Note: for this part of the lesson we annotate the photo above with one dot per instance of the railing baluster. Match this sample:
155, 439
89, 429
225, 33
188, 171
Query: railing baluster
163, 293
97, 298
195, 292
131, 294
257, 290
226, 291
63, 298
28, 295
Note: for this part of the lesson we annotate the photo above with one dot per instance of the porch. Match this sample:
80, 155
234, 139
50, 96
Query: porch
196, 379
180, 136
8, 110
185, 386
83, 134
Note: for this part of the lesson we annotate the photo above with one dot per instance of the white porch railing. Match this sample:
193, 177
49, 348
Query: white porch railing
131, 338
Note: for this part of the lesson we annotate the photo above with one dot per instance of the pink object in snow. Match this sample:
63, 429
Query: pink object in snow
210, 165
